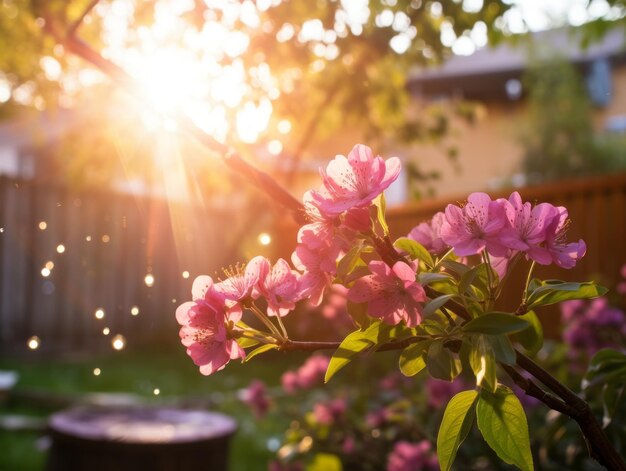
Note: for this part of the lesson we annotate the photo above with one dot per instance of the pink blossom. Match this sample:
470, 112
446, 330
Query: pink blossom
327, 413
203, 329
407, 456
255, 396
563, 254
320, 231
318, 269
475, 227
237, 288
289, 382
528, 227
278, 285
429, 234
440, 392
353, 182
391, 293
310, 374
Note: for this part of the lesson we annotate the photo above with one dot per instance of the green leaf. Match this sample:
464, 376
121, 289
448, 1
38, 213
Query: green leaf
245, 342
531, 338
606, 367
351, 261
455, 267
502, 348
262, 349
354, 343
502, 422
494, 323
442, 363
555, 291
434, 304
426, 278
358, 313
483, 363
379, 201
325, 462
415, 250
412, 359
456, 423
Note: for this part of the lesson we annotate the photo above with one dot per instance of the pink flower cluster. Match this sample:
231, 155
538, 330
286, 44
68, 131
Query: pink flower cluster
309, 375
502, 228
336, 212
208, 320
255, 396
407, 456
330, 412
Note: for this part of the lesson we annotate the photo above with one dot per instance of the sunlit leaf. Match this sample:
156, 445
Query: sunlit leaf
415, 250
380, 213
456, 423
502, 422
413, 358
262, 349
483, 363
555, 291
325, 462
246, 342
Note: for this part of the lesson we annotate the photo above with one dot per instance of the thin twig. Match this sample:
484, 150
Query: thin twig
71, 32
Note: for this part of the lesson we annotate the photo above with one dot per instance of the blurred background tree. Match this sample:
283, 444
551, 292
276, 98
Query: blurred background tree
559, 139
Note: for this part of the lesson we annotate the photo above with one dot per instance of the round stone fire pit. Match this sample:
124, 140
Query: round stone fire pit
139, 438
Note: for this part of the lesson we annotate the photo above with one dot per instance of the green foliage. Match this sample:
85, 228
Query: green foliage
381, 206
442, 363
531, 338
502, 422
495, 323
483, 363
325, 462
262, 349
607, 372
544, 293
456, 424
559, 140
413, 358
415, 250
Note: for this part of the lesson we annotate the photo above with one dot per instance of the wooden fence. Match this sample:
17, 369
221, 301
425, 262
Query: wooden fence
63, 256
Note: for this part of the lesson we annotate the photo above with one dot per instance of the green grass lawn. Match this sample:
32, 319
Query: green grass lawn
139, 373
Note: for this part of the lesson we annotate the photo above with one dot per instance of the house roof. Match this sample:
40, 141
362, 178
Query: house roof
489, 66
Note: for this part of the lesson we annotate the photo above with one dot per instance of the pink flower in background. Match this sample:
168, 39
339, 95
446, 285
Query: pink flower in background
318, 269
563, 254
429, 234
279, 286
309, 375
407, 456
237, 288
475, 227
440, 392
390, 293
528, 227
353, 182
255, 396
327, 413
203, 329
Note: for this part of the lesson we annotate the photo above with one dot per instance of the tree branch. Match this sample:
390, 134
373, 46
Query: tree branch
231, 158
